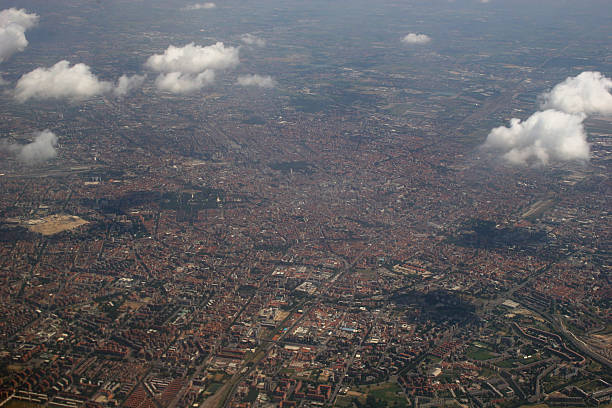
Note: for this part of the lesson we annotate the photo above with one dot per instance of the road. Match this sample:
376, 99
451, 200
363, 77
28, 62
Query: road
558, 324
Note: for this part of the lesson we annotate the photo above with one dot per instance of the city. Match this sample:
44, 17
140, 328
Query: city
319, 222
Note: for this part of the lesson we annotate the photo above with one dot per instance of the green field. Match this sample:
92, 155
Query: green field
386, 394
506, 363
14, 403
214, 387
479, 354
343, 401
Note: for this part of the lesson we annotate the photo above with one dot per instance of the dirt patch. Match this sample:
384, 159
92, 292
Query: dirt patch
54, 224
280, 315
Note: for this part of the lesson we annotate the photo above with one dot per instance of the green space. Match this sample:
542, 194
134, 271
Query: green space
252, 395
532, 359
487, 372
506, 363
480, 354
111, 307
15, 403
344, 401
552, 383
367, 273
382, 395
214, 387
593, 386
287, 372
254, 120
297, 166
311, 103
431, 359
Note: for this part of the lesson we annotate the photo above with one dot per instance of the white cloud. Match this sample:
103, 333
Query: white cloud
61, 81
125, 84
12, 40
414, 38
193, 59
13, 25
544, 137
180, 83
74, 83
41, 149
191, 67
250, 39
199, 6
20, 17
556, 134
256, 80
587, 93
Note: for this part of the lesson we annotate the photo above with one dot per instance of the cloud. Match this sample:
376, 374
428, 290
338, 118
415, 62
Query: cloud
250, 39
191, 67
256, 80
414, 38
199, 6
180, 83
126, 84
557, 133
74, 83
587, 93
61, 81
13, 25
193, 59
544, 137
41, 149
20, 17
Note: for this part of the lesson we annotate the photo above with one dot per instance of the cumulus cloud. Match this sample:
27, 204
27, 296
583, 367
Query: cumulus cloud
126, 84
42, 148
587, 93
61, 81
180, 83
557, 133
18, 16
193, 59
256, 80
199, 6
74, 83
13, 25
191, 67
544, 137
414, 38
250, 39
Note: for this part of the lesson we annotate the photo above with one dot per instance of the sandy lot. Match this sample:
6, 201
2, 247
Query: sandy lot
54, 224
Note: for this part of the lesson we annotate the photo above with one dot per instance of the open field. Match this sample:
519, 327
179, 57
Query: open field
54, 224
